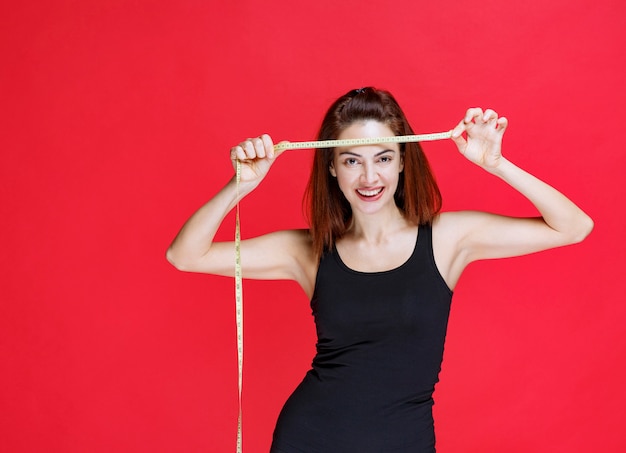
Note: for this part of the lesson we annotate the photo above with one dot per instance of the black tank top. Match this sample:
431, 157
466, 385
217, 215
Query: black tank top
379, 351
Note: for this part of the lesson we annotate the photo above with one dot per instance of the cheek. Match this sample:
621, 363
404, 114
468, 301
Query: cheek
342, 181
394, 178
346, 181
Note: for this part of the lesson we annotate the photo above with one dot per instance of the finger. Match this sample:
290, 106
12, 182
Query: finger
237, 153
259, 147
473, 114
457, 135
459, 129
280, 151
502, 124
248, 149
490, 116
268, 145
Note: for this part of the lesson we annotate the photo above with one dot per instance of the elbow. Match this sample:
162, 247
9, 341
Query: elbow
174, 260
185, 261
584, 228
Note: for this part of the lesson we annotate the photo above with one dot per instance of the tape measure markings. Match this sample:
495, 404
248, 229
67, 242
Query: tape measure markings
363, 141
239, 308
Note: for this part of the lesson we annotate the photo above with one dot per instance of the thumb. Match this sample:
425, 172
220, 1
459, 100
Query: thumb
280, 148
457, 135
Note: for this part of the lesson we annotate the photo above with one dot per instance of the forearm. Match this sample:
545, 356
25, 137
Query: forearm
558, 211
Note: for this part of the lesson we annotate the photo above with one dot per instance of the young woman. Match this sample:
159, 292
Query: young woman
379, 264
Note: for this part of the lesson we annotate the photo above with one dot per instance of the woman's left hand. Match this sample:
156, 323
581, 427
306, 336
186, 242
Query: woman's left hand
484, 131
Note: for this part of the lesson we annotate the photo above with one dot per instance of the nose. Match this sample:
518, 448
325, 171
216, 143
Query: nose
369, 175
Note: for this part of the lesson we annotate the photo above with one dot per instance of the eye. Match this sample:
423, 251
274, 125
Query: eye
351, 162
385, 159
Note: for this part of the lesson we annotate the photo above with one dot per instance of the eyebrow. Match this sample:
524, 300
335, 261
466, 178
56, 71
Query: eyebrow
352, 153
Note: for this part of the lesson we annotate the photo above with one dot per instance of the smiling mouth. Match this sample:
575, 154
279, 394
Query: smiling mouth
369, 193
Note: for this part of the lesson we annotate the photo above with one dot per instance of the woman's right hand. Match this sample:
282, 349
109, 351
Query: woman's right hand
256, 156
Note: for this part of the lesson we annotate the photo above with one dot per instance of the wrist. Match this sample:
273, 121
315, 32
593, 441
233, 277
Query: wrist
502, 168
243, 188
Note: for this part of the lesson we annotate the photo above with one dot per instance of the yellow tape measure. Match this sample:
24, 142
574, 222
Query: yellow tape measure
238, 272
239, 307
363, 141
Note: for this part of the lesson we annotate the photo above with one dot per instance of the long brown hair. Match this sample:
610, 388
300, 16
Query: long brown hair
417, 195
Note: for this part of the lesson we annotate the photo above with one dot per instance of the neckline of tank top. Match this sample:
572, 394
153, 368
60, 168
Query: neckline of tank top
348, 269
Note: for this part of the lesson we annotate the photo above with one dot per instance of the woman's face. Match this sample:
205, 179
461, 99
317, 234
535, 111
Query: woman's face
367, 174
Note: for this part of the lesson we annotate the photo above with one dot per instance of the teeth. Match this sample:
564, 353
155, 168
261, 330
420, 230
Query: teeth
370, 193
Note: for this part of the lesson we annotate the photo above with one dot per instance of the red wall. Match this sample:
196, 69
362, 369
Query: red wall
117, 120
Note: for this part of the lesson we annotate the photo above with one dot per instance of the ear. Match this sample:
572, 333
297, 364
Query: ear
331, 169
401, 164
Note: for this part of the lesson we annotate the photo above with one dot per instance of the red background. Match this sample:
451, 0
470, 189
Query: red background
117, 120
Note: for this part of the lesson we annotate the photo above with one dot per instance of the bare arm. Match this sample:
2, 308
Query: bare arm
478, 235
279, 255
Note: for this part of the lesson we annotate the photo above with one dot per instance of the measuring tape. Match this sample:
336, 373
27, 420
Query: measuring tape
363, 141
239, 307
238, 273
